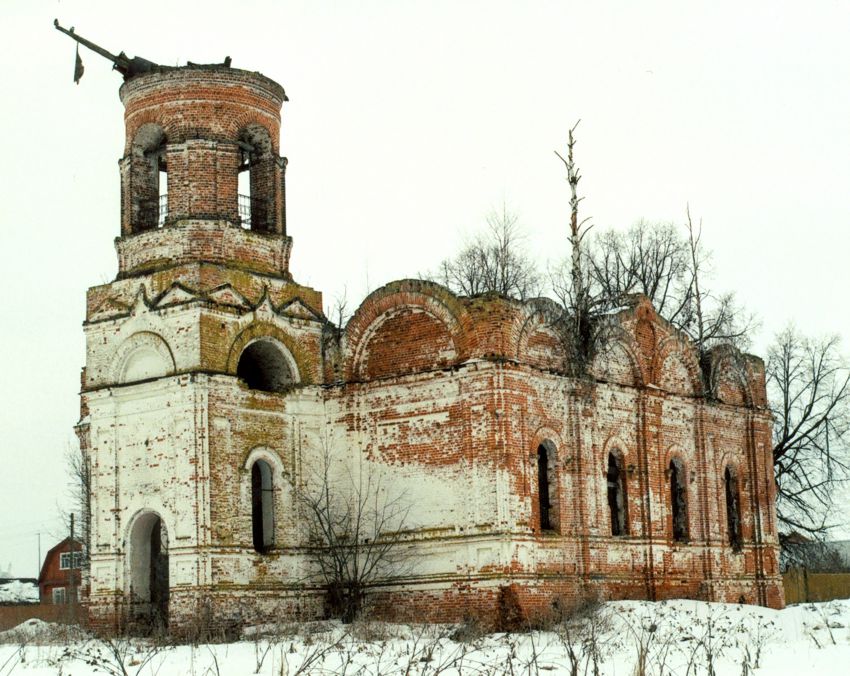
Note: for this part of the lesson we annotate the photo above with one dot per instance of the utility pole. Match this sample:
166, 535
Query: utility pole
38, 566
73, 599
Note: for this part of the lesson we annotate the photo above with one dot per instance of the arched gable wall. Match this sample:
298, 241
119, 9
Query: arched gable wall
676, 367
538, 342
405, 327
728, 378
618, 361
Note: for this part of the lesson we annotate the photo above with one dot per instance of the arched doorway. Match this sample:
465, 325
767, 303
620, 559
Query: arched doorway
149, 584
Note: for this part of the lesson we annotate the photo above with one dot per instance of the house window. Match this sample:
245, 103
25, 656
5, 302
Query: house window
733, 509
678, 500
65, 560
58, 595
262, 506
617, 494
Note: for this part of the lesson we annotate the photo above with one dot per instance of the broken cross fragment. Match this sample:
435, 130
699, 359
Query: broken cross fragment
127, 66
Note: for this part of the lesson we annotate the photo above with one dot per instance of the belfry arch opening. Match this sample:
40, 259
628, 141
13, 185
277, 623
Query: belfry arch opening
547, 493
262, 506
149, 576
264, 366
148, 179
616, 480
256, 179
678, 500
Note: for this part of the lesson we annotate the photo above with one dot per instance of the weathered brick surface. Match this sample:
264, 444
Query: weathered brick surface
442, 401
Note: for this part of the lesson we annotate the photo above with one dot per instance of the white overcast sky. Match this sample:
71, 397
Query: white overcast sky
407, 122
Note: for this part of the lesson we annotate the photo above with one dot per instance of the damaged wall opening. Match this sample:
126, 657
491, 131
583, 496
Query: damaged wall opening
263, 366
262, 506
678, 500
733, 509
617, 494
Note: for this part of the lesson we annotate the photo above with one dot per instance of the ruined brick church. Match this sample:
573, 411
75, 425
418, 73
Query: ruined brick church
214, 387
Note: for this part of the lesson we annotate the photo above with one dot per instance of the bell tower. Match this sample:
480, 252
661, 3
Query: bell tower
199, 355
193, 135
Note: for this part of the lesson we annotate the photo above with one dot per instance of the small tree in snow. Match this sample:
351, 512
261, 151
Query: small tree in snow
355, 522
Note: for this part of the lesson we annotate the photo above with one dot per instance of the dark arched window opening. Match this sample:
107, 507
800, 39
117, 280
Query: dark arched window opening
545, 489
678, 500
733, 509
617, 495
263, 366
262, 506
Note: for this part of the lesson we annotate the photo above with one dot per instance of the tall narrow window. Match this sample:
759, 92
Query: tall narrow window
678, 500
617, 495
244, 188
543, 488
262, 506
163, 194
733, 509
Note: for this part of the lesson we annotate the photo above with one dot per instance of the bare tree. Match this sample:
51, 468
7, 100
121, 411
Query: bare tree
333, 332
79, 491
648, 258
808, 385
710, 318
672, 268
578, 327
814, 555
494, 262
356, 524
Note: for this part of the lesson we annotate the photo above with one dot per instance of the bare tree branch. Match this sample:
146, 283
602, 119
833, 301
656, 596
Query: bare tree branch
79, 490
654, 259
494, 262
809, 389
355, 522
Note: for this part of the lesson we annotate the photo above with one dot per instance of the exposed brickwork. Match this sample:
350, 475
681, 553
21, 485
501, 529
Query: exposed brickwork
449, 400
197, 125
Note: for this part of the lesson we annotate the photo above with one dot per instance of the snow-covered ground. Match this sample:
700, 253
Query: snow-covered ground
16, 591
620, 638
